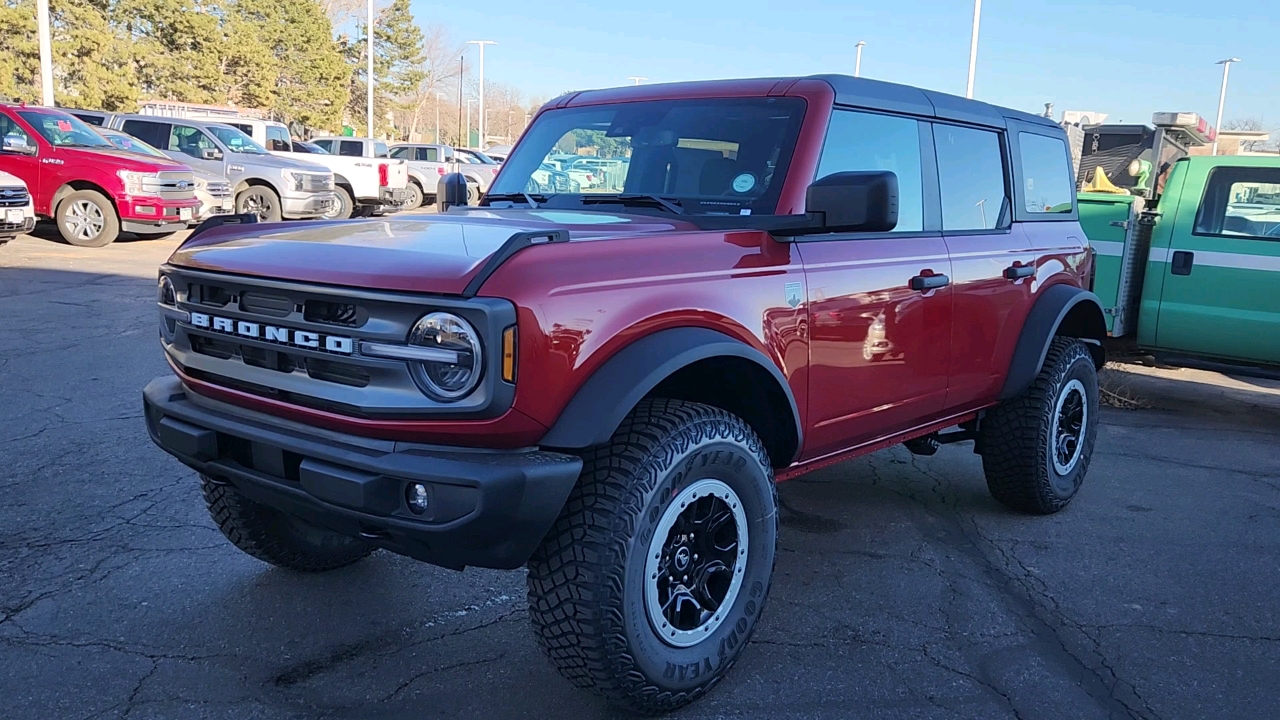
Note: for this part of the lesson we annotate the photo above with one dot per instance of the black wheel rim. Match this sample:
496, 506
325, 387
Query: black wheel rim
1070, 420
695, 565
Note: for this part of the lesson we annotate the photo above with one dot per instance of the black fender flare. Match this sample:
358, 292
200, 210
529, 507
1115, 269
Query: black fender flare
599, 406
1044, 321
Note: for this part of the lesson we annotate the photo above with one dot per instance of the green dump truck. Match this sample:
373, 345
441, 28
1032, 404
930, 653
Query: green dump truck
1192, 272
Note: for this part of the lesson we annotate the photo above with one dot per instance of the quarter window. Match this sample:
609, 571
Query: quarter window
1241, 202
1046, 178
863, 141
429, 154
971, 178
351, 148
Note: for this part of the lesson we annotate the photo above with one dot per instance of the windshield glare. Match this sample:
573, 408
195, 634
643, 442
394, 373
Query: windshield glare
62, 130
236, 141
713, 156
130, 143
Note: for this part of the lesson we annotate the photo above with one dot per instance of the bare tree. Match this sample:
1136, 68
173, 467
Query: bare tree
1254, 124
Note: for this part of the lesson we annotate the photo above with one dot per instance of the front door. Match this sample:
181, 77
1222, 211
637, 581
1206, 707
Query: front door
17, 142
878, 348
1221, 271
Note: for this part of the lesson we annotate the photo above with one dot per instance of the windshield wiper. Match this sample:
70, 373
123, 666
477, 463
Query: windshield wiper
532, 200
635, 200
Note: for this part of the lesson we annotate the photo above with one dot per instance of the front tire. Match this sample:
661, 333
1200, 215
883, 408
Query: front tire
260, 201
624, 597
87, 219
1036, 447
276, 538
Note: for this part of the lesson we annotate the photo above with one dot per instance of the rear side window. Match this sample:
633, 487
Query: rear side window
326, 145
1046, 178
864, 141
1241, 202
380, 149
429, 154
154, 134
278, 139
970, 178
351, 148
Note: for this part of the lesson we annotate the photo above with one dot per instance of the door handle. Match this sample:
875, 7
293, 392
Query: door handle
1182, 262
929, 282
1017, 272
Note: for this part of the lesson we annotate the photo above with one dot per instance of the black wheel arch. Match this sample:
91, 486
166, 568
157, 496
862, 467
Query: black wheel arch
1060, 310
687, 363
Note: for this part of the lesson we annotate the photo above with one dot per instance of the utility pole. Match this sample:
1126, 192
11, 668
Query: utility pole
467, 135
857, 61
1222, 99
46, 53
481, 44
973, 47
369, 76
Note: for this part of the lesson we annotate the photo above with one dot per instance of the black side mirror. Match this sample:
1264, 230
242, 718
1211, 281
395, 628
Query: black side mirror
451, 191
211, 154
861, 201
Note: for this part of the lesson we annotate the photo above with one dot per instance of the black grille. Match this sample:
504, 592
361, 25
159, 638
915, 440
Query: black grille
270, 305
335, 372
213, 348
333, 313
208, 295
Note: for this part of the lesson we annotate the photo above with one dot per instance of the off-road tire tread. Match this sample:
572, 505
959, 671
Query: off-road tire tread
579, 566
1015, 436
254, 528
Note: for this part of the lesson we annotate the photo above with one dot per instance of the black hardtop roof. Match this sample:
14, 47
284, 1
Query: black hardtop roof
879, 95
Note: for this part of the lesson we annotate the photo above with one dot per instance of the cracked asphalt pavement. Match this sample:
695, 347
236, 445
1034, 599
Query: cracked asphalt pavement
902, 590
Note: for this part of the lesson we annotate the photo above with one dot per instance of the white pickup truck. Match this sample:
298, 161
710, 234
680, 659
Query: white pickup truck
428, 163
363, 184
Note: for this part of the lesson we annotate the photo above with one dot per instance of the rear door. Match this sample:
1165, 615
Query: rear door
878, 349
1221, 269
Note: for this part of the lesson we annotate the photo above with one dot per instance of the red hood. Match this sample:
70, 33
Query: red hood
432, 254
120, 159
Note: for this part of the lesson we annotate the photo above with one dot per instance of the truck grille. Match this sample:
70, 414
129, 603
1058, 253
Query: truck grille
171, 185
218, 190
14, 197
315, 182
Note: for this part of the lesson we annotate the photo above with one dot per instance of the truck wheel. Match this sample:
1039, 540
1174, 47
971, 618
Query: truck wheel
260, 201
87, 219
473, 193
342, 205
1036, 447
274, 537
412, 197
652, 579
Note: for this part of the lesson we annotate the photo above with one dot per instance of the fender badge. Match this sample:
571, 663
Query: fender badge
792, 292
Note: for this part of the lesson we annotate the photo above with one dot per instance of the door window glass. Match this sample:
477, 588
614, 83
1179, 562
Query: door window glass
351, 148
155, 134
379, 149
14, 136
429, 154
864, 141
1046, 178
278, 139
971, 178
190, 141
402, 153
324, 143
1241, 202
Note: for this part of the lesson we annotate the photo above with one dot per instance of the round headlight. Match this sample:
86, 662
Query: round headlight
165, 294
461, 365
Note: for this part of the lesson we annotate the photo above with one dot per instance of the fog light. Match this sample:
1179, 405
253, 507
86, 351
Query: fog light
416, 496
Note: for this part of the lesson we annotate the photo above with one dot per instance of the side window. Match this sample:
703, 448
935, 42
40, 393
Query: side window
863, 141
402, 153
13, 134
190, 141
278, 139
1046, 178
351, 148
155, 134
970, 177
379, 149
324, 144
1241, 202
429, 154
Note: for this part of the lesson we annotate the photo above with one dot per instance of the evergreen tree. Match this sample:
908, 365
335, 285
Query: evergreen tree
398, 60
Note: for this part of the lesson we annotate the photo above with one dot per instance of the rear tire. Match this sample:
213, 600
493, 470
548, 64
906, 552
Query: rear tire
624, 598
473, 193
276, 538
87, 218
260, 201
1036, 447
343, 205
412, 196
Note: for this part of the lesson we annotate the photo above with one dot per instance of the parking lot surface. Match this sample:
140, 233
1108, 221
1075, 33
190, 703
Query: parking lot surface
902, 590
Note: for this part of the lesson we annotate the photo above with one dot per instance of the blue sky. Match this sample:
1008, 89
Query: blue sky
1126, 59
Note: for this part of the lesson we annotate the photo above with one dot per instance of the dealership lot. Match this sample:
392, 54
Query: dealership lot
901, 590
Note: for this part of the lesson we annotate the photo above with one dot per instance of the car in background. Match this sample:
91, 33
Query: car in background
352, 156
429, 162
213, 191
265, 185
302, 146
87, 186
498, 153
17, 213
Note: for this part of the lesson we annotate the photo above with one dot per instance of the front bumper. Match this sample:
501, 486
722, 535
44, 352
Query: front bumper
153, 226
487, 508
9, 231
305, 205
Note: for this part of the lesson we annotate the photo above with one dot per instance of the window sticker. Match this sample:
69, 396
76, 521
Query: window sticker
744, 182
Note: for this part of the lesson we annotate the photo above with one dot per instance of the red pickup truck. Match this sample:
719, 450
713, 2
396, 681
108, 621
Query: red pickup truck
605, 384
92, 190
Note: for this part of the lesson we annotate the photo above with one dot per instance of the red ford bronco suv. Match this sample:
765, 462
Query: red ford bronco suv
605, 385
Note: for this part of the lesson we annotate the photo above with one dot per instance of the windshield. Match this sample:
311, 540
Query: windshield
708, 156
130, 143
236, 141
62, 130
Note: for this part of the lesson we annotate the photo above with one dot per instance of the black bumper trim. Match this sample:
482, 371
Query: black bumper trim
487, 508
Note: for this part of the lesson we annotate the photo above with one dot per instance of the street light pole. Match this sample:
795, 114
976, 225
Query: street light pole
369, 77
857, 62
481, 44
1222, 99
973, 47
46, 53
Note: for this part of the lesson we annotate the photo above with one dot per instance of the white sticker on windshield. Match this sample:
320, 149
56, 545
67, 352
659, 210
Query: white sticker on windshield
744, 182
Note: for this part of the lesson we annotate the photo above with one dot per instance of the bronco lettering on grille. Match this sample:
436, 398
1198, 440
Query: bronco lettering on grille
274, 334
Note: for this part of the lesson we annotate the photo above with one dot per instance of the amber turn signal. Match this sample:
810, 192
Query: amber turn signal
509, 354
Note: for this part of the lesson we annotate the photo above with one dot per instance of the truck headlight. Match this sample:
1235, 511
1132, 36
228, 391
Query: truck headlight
461, 362
135, 182
293, 180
